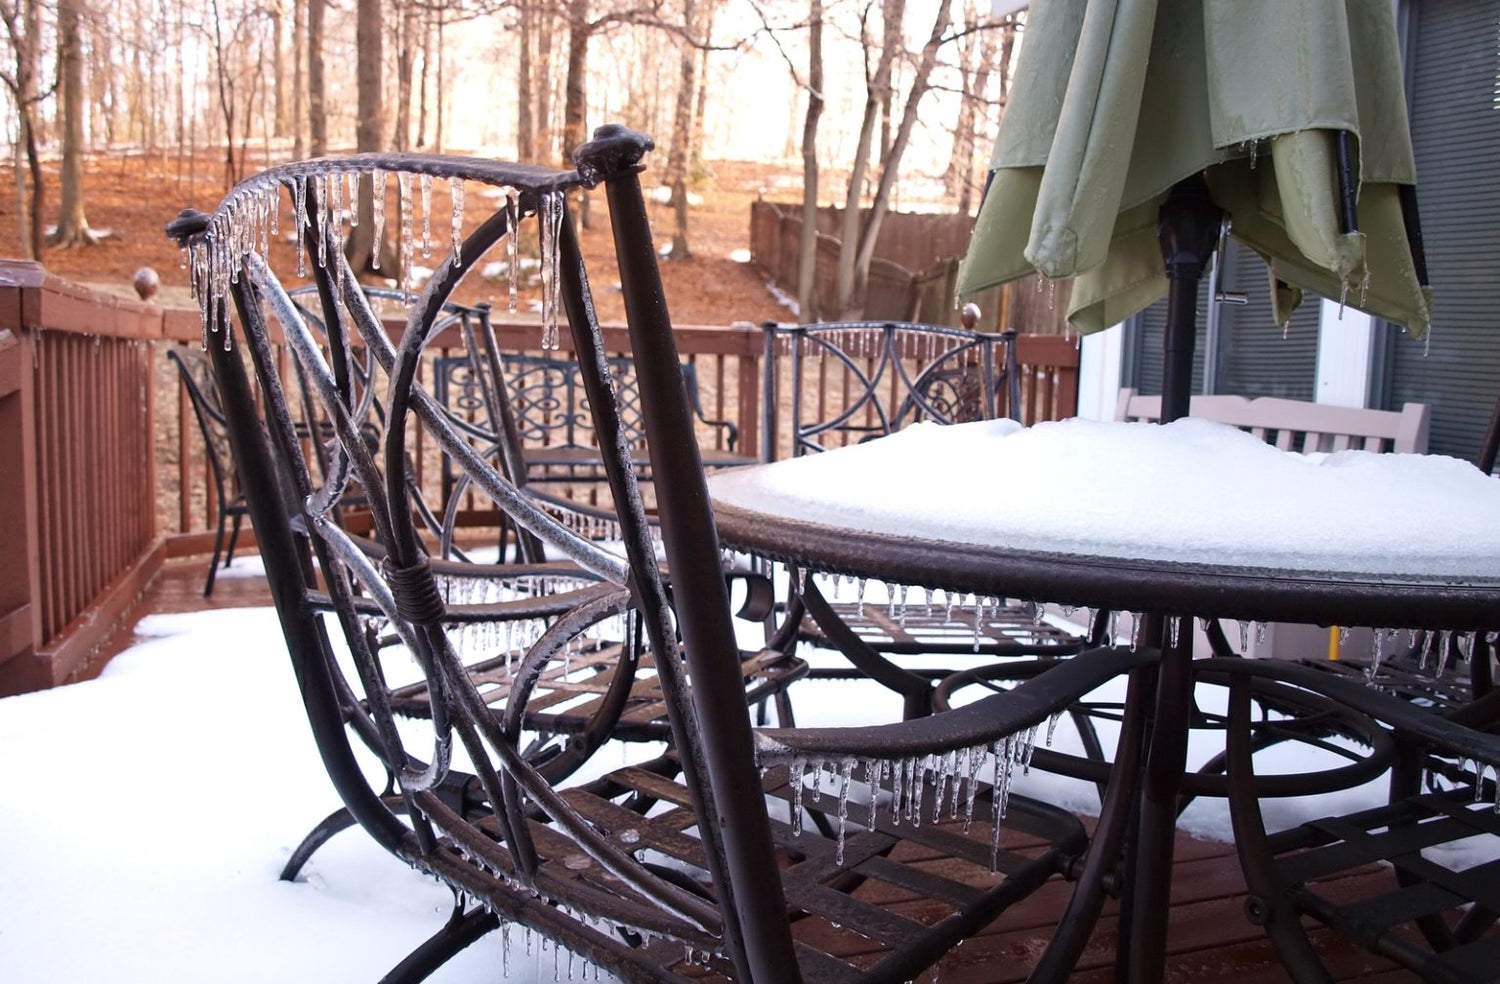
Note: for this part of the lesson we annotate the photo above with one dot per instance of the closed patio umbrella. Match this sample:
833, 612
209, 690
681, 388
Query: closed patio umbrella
1135, 131
1292, 111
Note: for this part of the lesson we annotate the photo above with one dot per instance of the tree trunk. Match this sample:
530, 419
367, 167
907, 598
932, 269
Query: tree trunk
225, 89
920, 83
441, 92
368, 133
575, 88
72, 224
525, 132
875, 94
807, 256
546, 133
406, 54
278, 69
23, 24
299, 79
317, 111
422, 97
682, 130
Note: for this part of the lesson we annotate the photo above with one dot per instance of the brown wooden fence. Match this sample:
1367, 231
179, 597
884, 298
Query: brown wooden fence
913, 276
104, 471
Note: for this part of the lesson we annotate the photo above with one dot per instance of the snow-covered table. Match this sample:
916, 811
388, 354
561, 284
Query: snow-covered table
1190, 518
1179, 520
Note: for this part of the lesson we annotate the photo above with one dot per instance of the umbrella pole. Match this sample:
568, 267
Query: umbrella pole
1188, 229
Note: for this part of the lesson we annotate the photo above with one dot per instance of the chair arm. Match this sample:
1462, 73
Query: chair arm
973, 725
1402, 716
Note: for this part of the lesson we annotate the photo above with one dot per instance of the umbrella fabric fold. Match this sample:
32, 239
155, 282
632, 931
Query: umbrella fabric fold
1115, 101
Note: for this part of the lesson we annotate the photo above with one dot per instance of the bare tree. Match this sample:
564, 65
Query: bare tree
406, 56
857, 249
23, 29
72, 223
807, 257
979, 50
526, 16
369, 39
317, 110
280, 104
680, 151
299, 81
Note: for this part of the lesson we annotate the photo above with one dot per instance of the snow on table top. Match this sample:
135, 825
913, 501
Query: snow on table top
1192, 491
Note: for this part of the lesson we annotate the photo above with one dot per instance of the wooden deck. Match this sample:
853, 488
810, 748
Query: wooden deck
1209, 937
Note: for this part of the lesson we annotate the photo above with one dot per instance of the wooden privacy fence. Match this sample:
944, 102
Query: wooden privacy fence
913, 275
104, 472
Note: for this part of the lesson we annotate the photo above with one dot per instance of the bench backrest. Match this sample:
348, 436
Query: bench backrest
1297, 425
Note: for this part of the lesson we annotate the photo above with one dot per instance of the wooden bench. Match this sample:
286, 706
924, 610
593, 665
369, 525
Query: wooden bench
1296, 425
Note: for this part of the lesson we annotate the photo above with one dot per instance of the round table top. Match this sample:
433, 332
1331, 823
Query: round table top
1188, 518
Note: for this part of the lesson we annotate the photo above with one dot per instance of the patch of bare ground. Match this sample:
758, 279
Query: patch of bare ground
132, 196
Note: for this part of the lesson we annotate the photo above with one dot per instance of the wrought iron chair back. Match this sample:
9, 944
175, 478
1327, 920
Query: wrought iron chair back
697, 857
196, 375
854, 381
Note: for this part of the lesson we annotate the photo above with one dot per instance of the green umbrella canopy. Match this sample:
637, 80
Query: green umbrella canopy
1115, 101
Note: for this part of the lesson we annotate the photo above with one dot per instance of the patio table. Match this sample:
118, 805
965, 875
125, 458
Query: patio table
1188, 519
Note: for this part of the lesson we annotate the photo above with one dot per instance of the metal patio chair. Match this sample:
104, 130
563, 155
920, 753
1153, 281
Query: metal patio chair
228, 502
850, 382
721, 853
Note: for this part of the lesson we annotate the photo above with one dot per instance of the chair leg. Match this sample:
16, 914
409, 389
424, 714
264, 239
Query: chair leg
336, 821
1266, 904
234, 537
213, 565
462, 929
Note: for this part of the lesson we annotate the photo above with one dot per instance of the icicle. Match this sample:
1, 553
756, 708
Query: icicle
1052, 726
320, 182
299, 220
846, 775
1135, 630
1444, 639
353, 177
859, 610
551, 230
971, 790
1286, 328
1174, 628
335, 184
960, 767
1260, 633
377, 214
425, 181
798, 767
407, 209
1343, 635
1114, 628
456, 197
914, 812
1343, 298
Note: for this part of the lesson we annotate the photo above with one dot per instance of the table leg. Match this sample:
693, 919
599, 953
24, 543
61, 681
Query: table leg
1115, 816
1148, 890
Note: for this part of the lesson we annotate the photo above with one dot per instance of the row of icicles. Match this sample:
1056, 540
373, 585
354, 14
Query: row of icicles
249, 219
954, 778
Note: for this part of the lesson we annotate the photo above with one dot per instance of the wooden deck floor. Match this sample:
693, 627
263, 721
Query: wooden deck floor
1209, 938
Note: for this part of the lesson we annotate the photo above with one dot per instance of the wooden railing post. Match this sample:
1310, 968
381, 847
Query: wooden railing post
20, 615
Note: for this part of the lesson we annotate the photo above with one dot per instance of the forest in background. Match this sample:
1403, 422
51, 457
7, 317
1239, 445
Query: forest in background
869, 102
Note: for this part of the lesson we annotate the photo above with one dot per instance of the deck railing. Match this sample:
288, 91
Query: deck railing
104, 472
